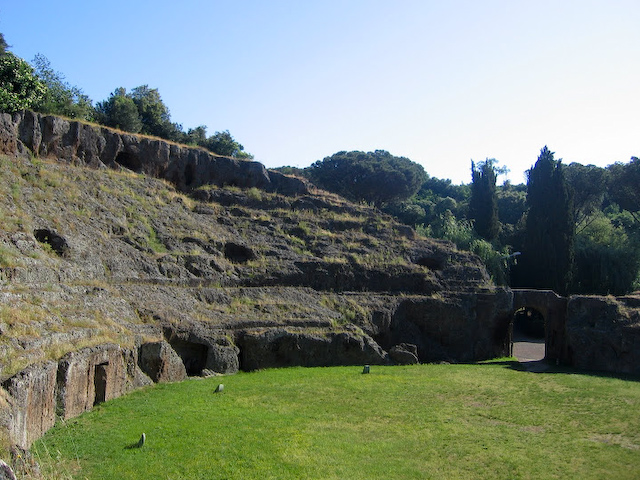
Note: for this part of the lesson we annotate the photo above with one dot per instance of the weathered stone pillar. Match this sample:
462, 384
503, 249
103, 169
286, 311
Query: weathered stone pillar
30, 408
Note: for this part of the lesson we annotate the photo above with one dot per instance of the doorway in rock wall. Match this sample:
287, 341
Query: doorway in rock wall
100, 383
528, 335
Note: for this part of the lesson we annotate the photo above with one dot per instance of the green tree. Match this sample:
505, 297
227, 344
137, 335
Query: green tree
589, 185
607, 257
154, 114
119, 111
483, 204
434, 188
377, 177
223, 143
462, 233
61, 98
143, 111
197, 136
548, 251
20, 88
623, 186
3, 45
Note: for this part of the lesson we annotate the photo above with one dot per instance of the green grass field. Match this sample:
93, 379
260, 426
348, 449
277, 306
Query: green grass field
419, 422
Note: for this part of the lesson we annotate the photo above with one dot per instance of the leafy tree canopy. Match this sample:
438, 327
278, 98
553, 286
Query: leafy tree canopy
220, 143
3, 45
119, 111
607, 257
20, 88
589, 184
61, 98
377, 177
154, 114
624, 182
512, 203
143, 111
434, 188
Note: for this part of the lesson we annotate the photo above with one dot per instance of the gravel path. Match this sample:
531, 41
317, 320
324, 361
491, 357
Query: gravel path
527, 349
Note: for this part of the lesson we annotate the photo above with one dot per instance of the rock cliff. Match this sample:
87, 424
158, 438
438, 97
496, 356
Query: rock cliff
603, 333
126, 260
85, 144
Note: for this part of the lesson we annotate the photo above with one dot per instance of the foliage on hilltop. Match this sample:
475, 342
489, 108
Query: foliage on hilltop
142, 110
375, 177
595, 211
586, 219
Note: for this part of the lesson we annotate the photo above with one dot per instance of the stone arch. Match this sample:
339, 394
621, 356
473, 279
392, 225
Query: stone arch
528, 334
530, 321
553, 309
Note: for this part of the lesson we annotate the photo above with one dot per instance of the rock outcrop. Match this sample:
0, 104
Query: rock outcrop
603, 333
404, 354
161, 362
453, 327
201, 348
278, 347
131, 260
85, 144
29, 400
35, 397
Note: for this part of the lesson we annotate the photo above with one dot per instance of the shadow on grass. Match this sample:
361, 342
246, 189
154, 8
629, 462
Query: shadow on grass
138, 444
545, 366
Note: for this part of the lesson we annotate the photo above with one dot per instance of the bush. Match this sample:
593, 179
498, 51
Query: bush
20, 89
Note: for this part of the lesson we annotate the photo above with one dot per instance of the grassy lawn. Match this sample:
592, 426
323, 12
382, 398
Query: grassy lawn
419, 422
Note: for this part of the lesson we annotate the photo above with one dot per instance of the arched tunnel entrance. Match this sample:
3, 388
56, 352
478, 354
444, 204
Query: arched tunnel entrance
538, 325
528, 335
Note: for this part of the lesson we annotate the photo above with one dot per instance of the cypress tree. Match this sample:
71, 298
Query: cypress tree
483, 204
548, 251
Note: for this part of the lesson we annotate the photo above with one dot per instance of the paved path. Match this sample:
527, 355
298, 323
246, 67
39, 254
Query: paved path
530, 353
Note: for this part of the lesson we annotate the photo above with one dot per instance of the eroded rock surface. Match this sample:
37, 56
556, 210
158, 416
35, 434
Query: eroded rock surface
130, 260
161, 362
283, 348
95, 146
603, 333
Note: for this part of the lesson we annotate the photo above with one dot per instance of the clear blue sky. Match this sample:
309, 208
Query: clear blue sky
440, 82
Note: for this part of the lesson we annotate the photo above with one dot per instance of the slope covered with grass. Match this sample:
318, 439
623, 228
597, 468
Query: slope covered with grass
427, 421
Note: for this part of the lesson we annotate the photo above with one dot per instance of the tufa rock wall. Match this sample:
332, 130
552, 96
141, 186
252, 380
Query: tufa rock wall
30, 403
94, 375
597, 333
603, 333
279, 347
161, 363
95, 146
34, 398
458, 327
